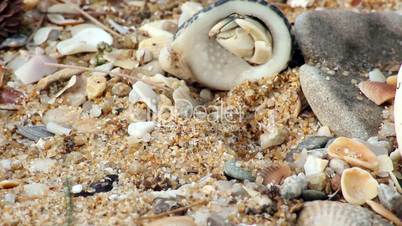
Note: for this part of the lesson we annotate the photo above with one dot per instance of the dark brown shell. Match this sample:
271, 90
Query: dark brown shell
275, 173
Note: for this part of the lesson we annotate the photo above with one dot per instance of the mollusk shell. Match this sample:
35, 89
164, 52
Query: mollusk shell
330, 213
353, 152
380, 209
378, 92
358, 186
275, 174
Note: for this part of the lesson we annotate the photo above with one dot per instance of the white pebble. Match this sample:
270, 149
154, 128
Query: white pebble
273, 137
140, 129
143, 92
324, 131
95, 111
206, 94
57, 129
35, 189
76, 189
9, 198
376, 76
41, 165
314, 165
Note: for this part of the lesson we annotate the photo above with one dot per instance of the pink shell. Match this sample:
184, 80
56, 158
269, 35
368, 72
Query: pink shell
378, 92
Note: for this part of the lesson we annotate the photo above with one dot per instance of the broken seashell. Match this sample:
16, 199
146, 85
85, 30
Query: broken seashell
381, 210
86, 40
155, 29
331, 213
143, 92
314, 165
275, 174
398, 111
69, 84
139, 130
119, 28
385, 165
274, 137
78, 28
14, 41
220, 45
378, 92
10, 96
300, 3
183, 100
392, 80
143, 56
358, 186
43, 34
59, 19
34, 133
8, 184
96, 85
353, 152
63, 74
174, 221
57, 129
33, 70
155, 45
188, 9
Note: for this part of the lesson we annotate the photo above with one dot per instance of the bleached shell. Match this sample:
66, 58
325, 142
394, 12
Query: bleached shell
381, 210
43, 34
86, 40
33, 70
385, 165
275, 174
57, 129
174, 221
358, 186
143, 92
353, 152
331, 213
78, 28
378, 92
155, 29
314, 165
140, 129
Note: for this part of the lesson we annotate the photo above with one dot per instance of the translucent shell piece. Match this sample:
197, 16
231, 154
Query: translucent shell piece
358, 186
353, 152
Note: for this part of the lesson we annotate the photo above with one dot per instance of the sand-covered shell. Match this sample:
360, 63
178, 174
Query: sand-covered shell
331, 213
358, 186
353, 152
378, 92
380, 209
275, 174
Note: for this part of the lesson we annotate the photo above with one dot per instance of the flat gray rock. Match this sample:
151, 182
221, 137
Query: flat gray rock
351, 41
334, 100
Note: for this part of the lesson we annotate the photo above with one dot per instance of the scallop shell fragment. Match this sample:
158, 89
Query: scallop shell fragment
330, 213
55, 14
381, 210
378, 92
43, 34
353, 152
228, 43
358, 186
275, 173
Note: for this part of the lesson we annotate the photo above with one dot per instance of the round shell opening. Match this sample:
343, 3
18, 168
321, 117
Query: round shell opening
358, 186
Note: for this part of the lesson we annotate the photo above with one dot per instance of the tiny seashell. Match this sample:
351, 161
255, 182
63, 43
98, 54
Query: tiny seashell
155, 29
86, 40
381, 210
140, 129
33, 70
63, 74
353, 152
358, 186
143, 92
59, 19
232, 170
385, 165
378, 92
392, 80
331, 213
275, 174
57, 129
119, 28
43, 34
314, 165
8, 184
34, 132
174, 221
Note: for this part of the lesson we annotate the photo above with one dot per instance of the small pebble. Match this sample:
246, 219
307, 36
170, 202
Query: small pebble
314, 165
141, 129
324, 131
35, 189
338, 165
232, 170
121, 89
273, 137
76, 189
376, 76
313, 142
206, 95
9, 198
95, 111
42, 165
293, 186
311, 195
57, 129
96, 85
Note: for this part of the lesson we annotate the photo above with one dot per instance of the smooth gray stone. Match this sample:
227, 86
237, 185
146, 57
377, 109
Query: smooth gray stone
348, 40
333, 98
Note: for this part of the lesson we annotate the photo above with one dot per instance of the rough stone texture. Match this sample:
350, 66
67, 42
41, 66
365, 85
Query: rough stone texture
350, 41
334, 100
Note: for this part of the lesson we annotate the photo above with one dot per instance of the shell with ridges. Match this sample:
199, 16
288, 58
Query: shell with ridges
358, 186
275, 174
353, 152
378, 92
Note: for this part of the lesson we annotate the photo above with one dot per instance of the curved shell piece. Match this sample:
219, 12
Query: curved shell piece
353, 152
206, 61
378, 92
275, 174
358, 186
380, 209
330, 213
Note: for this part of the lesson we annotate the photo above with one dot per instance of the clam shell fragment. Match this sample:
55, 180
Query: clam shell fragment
228, 43
358, 186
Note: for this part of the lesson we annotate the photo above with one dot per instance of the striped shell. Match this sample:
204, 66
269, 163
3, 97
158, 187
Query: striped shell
275, 173
330, 213
378, 92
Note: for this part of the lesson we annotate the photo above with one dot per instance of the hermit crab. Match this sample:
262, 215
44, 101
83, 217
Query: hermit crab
229, 42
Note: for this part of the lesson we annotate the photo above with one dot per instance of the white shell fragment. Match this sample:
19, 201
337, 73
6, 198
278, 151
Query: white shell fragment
314, 165
376, 76
224, 45
59, 19
86, 40
43, 34
358, 186
41, 165
57, 129
385, 165
143, 92
33, 70
188, 9
140, 130
300, 3
273, 137
155, 29
35, 189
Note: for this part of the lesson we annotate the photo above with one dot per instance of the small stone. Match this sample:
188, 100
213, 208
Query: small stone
293, 186
311, 195
390, 198
140, 130
232, 170
338, 165
57, 129
324, 131
76, 189
377, 76
313, 142
314, 165
35, 189
95, 111
96, 85
42, 165
206, 95
299, 3
274, 137
380, 143
121, 89
317, 181
9, 198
